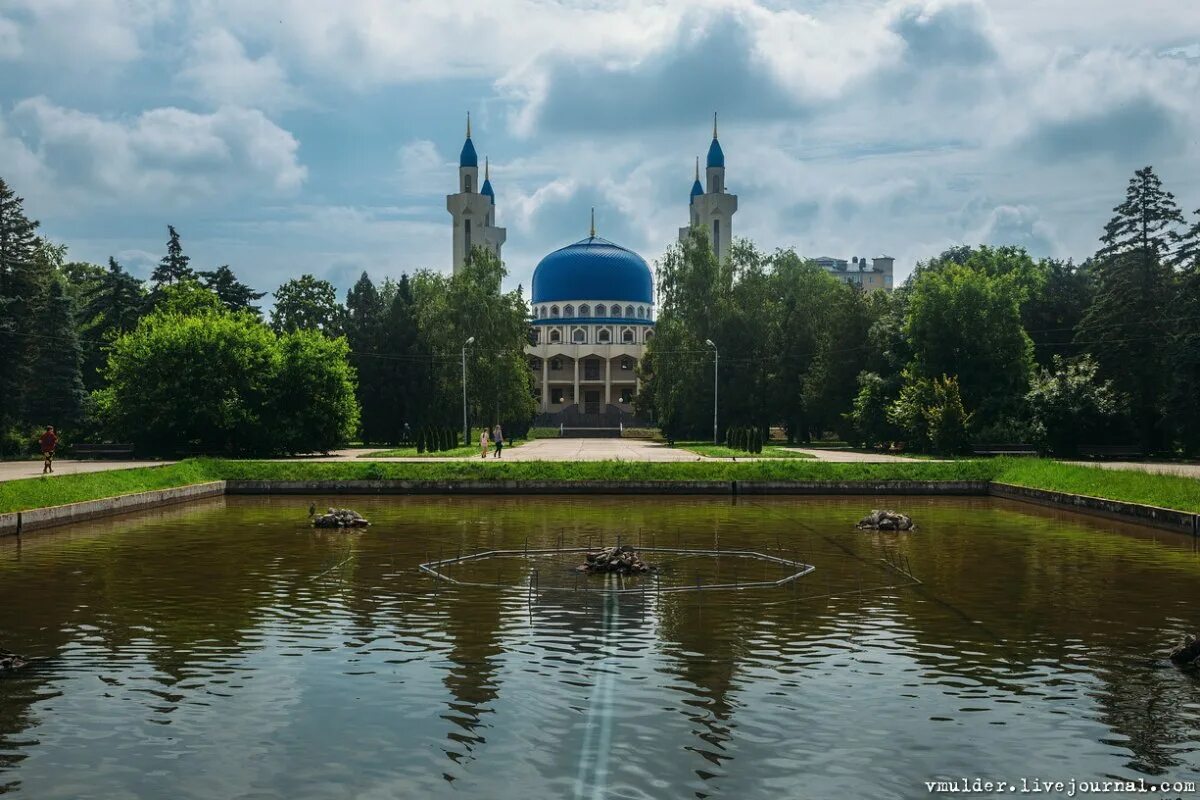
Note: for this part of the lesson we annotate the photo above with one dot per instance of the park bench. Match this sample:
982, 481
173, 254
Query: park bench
1111, 451
1003, 449
102, 450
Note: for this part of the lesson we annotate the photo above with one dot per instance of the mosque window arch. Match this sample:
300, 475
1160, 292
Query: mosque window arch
605, 336
649, 335
626, 364
629, 311
600, 310
535, 312
555, 336
555, 364
585, 310
641, 312
554, 311
627, 336
579, 336
568, 311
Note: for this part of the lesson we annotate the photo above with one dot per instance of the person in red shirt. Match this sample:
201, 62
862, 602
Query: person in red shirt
49, 442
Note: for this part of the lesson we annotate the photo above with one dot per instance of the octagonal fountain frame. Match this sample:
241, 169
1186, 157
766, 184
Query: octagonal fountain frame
800, 569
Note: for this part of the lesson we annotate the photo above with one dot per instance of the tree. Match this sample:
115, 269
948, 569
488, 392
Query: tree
832, 384
174, 266
1126, 326
404, 372
306, 303
868, 417
452, 309
113, 307
56, 394
198, 381
1052, 316
233, 294
312, 408
946, 419
1069, 404
21, 282
965, 324
187, 297
1184, 344
363, 325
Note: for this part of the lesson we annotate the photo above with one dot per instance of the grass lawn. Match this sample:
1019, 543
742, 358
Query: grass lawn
721, 451
454, 452
1168, 491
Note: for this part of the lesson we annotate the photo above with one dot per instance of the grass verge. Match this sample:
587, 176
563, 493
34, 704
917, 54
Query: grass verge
1168, 491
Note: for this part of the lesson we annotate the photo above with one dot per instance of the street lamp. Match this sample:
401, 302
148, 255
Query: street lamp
466, 430
716, 363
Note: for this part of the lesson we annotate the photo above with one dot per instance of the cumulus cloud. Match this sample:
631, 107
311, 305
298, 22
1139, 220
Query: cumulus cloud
220, 71
161, 155
422, 169
1018, 225
10, 39
93, 32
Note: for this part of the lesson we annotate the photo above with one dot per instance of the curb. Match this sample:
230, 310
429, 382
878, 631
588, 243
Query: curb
17, 522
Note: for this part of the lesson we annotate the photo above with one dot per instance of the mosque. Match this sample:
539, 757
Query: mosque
592, 301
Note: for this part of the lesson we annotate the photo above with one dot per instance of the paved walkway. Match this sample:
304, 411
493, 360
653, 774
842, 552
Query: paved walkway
847, 456
1184, 470
15, 470
554, 450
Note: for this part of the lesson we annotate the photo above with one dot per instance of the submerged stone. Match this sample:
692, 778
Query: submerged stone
885, 520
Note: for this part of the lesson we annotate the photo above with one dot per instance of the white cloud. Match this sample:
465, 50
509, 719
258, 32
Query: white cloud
422, 169
79, 35
164, 155
10, 40
221, 72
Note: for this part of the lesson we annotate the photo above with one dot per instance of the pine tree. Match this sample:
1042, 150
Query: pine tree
363, 327
234, 295
1185, 344
174, 266
56, 395
1124, 328
20, 288
113, 308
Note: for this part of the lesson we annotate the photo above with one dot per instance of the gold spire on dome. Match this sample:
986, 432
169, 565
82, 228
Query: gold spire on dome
593, 234
697, 167
469, 125
486, 168
714, 124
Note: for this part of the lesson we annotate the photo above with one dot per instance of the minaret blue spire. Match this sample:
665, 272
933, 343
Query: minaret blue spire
697, 187
468, 158
716, 157
487, 182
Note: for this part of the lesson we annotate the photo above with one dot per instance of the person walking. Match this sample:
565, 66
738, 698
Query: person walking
483, 443
498, 438
49, 442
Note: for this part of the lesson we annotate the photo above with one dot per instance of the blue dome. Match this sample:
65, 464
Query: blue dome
467, 157
593, 269
697, 189
487, 189
716, 157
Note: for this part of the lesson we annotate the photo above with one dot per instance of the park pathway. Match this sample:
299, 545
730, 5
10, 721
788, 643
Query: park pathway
15, 470
848, 456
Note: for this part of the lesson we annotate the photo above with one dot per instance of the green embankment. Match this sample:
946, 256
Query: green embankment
1159, 490
710, 450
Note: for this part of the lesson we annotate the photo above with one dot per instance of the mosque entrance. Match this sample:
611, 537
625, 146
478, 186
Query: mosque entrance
591, 402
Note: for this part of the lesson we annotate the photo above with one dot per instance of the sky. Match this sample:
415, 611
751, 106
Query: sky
303, 136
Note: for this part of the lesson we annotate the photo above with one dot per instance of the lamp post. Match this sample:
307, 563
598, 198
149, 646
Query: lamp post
466, 430
716, 364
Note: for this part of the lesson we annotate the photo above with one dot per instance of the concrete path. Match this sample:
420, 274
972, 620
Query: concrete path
554, 450
15, 470
848, 456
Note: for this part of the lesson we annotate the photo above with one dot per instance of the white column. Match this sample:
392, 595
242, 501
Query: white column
576, 399
607, 381
545, 384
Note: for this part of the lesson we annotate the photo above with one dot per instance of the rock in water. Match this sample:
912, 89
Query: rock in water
340, 518
885, 520
620, 560
11, 662
1187, 653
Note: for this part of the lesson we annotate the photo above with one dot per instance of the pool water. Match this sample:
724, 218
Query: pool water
223, 649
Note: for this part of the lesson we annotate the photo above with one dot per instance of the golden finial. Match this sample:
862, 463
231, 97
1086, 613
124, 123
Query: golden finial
486, 168
697, 167
469, 125
714, 124
593, 235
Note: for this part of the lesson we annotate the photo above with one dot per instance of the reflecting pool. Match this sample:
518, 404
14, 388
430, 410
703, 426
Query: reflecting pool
223, 649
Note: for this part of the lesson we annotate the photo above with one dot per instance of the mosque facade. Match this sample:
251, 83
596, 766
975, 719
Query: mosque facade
592, 302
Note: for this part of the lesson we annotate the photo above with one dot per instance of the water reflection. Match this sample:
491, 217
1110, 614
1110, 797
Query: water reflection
224, 649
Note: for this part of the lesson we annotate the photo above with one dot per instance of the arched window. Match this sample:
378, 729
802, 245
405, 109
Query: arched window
568, 311
629, 311
535, 364
535, 312
579, 336
555, 364
626, 364
555, 336
641, 312
585, 310
605, 336
537, 336
554, 311
649, 335
627, 336
600, 310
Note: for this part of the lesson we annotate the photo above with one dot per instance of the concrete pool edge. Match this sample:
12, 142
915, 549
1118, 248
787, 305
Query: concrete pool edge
36, 519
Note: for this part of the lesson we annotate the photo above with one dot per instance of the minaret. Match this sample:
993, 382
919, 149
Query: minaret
711, 206
473, 207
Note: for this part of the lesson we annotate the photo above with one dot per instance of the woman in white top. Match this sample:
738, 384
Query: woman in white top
483, 444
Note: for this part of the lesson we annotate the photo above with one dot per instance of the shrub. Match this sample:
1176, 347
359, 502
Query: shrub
947, 419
